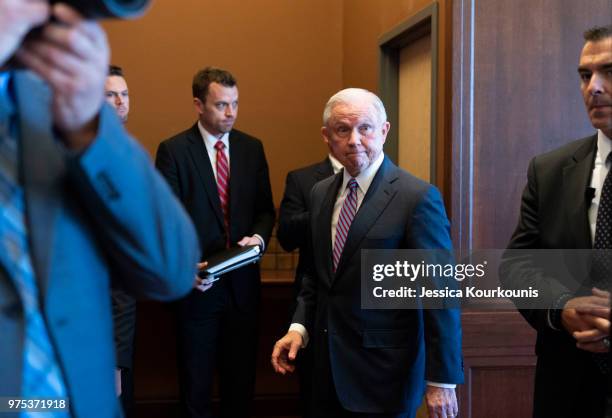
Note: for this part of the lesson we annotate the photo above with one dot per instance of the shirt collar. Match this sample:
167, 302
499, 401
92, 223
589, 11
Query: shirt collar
336, 166
6, 102
211, 139
364, 179
604, 145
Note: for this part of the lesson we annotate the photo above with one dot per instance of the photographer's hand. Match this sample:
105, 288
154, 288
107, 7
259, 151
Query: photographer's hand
72, 56
17, 18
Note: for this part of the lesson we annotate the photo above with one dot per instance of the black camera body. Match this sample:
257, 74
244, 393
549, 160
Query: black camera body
102, 9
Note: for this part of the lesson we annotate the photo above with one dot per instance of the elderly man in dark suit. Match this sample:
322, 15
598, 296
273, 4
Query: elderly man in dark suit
221, 176
370, 363
79, 202
567, 204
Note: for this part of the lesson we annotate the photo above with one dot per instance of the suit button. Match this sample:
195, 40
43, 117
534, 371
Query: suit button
325, 331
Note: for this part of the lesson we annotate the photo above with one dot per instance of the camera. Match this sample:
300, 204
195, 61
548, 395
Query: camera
101, 9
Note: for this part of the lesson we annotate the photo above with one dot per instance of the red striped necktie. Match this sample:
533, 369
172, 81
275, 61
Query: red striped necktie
347, 213
223, 185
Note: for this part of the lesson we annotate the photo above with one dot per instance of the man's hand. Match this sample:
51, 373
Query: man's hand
599, 319
72, 56
572, 320
252, 240
285, 351
202, 284
17, 18
441, 402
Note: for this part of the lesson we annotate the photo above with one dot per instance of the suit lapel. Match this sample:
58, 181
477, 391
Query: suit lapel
323, 243
42, 170
576, 177
238, 172
324, 170
377, 198
198, 152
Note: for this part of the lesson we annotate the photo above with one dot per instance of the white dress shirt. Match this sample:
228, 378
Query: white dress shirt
598, 176
209, 142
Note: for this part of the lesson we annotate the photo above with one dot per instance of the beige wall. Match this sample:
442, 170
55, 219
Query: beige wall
289, 56
285, 54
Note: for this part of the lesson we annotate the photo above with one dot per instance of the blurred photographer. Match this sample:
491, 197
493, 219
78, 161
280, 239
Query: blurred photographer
77, 195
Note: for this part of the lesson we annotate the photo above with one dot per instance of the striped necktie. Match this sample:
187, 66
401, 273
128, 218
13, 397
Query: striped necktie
223, 186
41, 375
601, 272
347, 213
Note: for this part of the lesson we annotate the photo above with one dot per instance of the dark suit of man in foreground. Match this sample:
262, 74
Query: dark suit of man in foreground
293, 232
79, 199
563, 208
217, 323
370, 363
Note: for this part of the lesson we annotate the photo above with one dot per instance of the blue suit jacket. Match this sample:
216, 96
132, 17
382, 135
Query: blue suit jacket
106, 207
379, 359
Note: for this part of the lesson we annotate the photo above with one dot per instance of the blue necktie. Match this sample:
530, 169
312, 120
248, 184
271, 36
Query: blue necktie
41, 377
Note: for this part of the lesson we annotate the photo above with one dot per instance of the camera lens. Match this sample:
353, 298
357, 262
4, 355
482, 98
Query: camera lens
101, 9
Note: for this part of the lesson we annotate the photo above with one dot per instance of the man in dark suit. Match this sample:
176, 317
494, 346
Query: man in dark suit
370, 363
124, 305
567, 204
294, 212
221, 176
293, 232
79, 202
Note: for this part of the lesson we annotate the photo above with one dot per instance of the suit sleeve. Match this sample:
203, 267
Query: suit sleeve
148, 237
293, 216
166, 164
519, 270
265, 213
124, 325
307, 295
430, 229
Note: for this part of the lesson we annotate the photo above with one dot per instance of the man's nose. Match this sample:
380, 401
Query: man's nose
595, 87
118, 100
229, 111
355, 137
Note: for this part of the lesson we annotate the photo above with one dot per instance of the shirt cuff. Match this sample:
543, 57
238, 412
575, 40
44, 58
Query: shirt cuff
553, 316
262, 243
441, 385
300, 329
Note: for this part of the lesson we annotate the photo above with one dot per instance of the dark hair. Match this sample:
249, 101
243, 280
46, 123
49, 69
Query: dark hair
115, 70
598, 33
208, 75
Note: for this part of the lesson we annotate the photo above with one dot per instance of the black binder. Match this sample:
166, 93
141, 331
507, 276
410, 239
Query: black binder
230, 259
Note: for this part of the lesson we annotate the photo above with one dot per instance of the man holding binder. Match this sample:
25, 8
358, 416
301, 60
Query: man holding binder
221, 176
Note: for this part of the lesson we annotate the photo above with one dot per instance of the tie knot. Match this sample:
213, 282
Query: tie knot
352, 184
219, 146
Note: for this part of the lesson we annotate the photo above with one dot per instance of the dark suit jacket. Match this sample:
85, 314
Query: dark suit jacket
184, 162
294, 214
124, 319
554, 215
105, 207
379, 359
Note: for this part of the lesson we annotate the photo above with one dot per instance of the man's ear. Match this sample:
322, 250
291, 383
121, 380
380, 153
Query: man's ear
326, 134
385, 130
199, 105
